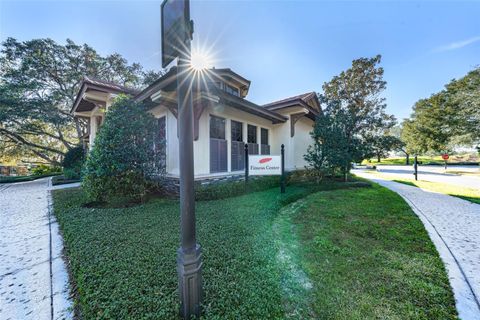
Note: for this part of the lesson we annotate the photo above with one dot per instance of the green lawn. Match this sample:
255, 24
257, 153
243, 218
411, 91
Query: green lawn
343, 254
368, 257
437, 160
465, 193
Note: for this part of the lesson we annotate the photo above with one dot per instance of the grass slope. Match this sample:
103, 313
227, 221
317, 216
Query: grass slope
472, 195
436, 160
123, 260
369, 256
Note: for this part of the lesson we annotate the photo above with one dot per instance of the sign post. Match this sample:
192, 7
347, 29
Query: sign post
445, 157
282, 178
176, 36
415, 167
246, 165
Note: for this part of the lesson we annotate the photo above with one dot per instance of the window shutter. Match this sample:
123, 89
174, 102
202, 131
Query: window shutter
222, 155
265, 149
218, 155
238, 155
253, 148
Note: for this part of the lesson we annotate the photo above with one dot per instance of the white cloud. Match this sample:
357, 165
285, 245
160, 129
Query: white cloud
458, 44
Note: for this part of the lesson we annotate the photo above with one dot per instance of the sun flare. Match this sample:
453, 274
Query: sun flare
200, 60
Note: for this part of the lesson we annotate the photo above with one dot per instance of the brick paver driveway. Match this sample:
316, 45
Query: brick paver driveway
454, 227
33, 278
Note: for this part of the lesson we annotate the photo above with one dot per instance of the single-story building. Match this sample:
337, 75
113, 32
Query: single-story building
224, 120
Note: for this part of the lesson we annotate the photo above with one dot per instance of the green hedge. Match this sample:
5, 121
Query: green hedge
73, 162
27, 178
227, 189
62, 179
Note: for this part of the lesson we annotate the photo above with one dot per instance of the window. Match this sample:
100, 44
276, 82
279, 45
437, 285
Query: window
264, 136
218, 145
160, 146
237, 131
237, 147
251, 134
217, 128
232, 90
264, 146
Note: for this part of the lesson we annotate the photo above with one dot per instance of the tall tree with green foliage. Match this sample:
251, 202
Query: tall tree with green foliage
353, 102
381, 144
448, 118
332, 151
359, 90
38, 82
431, 126
396, 131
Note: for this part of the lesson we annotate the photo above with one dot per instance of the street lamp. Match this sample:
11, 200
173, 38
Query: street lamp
177, 30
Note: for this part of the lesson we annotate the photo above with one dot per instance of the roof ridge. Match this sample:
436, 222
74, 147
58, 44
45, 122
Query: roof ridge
291, 98
111, 83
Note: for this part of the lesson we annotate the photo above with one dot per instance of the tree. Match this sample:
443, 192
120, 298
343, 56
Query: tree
447, 118
38, 83
123, 156
353, 98
464, 102
333, 150
382, 144
428, 129
328, 147
359, 89
396, 131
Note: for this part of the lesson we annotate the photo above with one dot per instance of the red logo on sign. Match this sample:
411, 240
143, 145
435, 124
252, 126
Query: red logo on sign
264, 160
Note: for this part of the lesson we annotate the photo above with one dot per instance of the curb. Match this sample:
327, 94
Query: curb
60, 302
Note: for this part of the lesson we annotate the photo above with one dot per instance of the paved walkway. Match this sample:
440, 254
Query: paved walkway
454, 227
33, 277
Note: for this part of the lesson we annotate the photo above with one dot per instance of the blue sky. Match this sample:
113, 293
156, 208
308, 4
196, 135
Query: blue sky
283, 47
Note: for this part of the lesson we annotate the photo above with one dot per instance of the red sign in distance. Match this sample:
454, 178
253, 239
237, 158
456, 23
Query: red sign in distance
445, 156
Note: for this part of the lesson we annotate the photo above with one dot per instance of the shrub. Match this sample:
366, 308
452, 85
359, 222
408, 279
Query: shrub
227, 189
123, 156
44, 170
73, 162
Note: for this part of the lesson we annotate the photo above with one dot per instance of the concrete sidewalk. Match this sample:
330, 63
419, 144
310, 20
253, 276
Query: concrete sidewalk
33, 276
453, 225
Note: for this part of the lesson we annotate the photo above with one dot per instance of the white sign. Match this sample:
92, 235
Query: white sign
265, 165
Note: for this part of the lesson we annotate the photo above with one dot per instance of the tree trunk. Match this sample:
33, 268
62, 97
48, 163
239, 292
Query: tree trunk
407, 159
378, 158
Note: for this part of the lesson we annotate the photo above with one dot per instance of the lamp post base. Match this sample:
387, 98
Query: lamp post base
189, 267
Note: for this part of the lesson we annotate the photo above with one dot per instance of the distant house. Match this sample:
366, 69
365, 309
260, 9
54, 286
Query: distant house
224, 121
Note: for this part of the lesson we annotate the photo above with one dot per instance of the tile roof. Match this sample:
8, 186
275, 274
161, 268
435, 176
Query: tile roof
304, 97
110, 85
248, 106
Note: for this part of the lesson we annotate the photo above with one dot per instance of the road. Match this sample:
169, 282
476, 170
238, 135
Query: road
33, 277
435, 174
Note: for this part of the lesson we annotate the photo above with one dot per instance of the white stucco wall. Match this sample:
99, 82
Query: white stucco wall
295, 147
96, 118
301, 141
